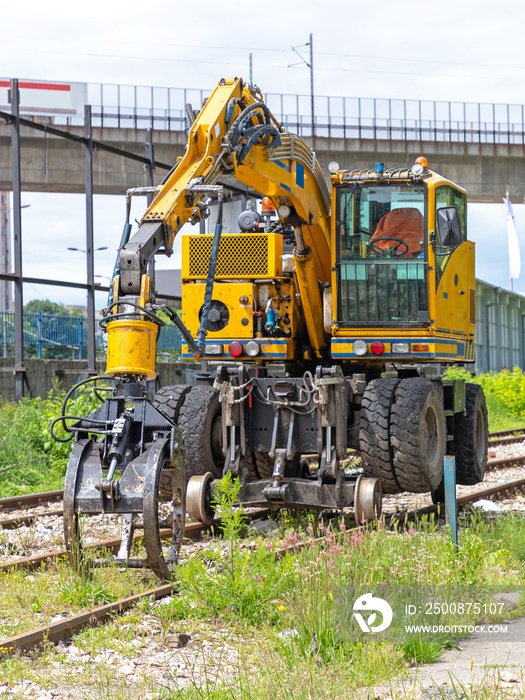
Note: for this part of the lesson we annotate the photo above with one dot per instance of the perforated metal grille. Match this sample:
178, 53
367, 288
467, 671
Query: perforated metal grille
239, 256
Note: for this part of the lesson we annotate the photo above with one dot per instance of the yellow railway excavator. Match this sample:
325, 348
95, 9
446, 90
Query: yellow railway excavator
326, 323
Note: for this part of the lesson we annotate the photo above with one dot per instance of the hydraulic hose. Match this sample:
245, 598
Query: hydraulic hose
235, 130
123, 240
201, 334
260, 131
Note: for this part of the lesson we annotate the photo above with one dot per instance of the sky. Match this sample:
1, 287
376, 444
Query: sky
464, 50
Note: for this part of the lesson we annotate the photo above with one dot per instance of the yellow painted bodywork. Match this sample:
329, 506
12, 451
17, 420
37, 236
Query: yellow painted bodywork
131, 348
132, 342
230, 295
311, 301
284, 169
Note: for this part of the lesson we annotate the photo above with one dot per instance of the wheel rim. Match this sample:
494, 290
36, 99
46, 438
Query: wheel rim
368, 496
480, 435
432, 436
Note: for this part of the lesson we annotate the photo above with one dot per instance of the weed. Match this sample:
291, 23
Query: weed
84, 592
30, 460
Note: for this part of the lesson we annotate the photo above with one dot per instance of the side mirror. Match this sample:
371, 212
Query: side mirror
449, 227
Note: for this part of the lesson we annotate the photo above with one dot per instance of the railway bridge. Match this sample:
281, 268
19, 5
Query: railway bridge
481, 146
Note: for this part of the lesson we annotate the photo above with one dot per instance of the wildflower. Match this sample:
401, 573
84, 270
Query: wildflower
310, 528
281, 608
259, 578
343, 525
321, 525
411, 530
292, 538
269, 546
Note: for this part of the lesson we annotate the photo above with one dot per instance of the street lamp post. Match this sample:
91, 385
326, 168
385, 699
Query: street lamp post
80, 250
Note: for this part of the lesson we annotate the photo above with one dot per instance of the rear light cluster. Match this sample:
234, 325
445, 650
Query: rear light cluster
360, 348
235, 349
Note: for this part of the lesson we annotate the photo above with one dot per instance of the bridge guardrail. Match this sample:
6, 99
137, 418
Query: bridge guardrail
163, 108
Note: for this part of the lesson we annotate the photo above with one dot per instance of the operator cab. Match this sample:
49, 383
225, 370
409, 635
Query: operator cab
385, 243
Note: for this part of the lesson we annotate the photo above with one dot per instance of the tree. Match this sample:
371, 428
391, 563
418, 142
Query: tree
50, 307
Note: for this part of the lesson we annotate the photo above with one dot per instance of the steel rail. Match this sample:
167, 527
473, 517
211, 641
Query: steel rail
30, 499
508, 440
191, 531
503, 433
65, 629
21, 520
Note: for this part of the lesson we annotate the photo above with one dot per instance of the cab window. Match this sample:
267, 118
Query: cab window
447, 196
382, 222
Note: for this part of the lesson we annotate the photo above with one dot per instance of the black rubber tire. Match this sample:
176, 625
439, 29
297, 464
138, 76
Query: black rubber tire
251, 465
169, 400
418, 434
374, 433
471, 434
198, 413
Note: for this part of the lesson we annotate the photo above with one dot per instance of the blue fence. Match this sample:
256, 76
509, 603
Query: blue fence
50, 331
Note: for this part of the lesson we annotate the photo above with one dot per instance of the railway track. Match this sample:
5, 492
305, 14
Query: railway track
66, 628
35, 561
510, 440
504, 433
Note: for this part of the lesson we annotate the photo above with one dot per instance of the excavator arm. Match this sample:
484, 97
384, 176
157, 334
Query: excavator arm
236, 135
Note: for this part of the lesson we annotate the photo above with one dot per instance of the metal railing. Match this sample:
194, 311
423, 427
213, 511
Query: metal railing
43, 331
163, 108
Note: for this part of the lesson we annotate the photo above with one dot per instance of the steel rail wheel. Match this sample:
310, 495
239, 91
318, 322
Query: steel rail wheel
368, 496
198, 499
163, 510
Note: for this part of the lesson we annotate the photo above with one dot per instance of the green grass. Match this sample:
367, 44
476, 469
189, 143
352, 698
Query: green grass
251, 592
30, 599
30, 460
505, 394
